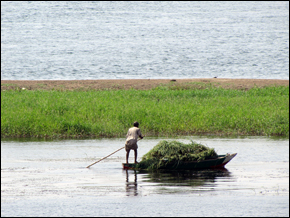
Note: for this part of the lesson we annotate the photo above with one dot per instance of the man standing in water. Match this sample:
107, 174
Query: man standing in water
131, 141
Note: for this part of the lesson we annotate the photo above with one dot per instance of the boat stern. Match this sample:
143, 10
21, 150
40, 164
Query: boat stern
129, 166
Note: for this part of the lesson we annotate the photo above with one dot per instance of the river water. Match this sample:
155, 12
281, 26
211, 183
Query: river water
72, 40
50, 178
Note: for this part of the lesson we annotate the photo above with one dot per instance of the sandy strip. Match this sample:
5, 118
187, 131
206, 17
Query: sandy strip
142, 84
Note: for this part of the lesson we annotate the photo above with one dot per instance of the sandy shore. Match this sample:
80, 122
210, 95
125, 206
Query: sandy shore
142, 84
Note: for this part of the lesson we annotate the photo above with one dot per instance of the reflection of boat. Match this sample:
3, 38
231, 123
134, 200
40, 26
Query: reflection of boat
174, 181
219, 162
186, 178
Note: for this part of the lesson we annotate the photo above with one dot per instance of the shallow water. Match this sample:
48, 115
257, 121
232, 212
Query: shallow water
50, 178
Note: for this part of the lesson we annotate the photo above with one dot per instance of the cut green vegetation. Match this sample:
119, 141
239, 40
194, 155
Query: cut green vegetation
174, 152
162, 111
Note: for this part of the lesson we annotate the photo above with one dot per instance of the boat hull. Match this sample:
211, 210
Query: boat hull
218, 162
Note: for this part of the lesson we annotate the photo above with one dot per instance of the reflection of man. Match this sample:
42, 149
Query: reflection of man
131, 185
131, 141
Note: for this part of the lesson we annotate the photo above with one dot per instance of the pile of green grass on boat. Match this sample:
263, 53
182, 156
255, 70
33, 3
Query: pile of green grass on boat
168, 152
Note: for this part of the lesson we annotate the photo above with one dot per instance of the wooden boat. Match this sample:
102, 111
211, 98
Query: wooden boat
219, 162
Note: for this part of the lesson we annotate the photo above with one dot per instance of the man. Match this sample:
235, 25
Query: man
131, 141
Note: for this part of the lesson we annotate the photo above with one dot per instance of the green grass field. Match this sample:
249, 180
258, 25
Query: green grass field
163, 111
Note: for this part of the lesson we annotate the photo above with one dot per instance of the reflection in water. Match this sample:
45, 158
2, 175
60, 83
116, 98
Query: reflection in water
186, 178
131, 187
197, 179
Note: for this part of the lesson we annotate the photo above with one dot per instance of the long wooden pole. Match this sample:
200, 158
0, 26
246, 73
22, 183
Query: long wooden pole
107, 156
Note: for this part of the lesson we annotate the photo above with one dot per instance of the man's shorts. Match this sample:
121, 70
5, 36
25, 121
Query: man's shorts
131, 145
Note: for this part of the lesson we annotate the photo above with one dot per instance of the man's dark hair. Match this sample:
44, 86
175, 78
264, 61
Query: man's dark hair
136, 124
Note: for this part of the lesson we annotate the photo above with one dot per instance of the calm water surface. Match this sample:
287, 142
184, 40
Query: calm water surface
139, 40
50, 178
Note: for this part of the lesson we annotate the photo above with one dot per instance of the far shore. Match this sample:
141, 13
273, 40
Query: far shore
140, 84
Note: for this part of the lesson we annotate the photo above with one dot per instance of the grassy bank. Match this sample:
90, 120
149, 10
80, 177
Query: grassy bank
163, 111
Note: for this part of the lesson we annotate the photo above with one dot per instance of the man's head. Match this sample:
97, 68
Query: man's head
136, 124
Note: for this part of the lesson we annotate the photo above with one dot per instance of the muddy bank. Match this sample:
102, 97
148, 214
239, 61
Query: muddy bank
141, 84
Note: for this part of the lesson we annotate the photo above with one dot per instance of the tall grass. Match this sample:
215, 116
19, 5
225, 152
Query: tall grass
163, 111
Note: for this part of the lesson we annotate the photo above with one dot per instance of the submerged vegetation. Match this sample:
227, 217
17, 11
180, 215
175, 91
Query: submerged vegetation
166, 152
162, 111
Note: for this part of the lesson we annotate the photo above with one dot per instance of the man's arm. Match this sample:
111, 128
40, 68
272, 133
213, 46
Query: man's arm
139, 134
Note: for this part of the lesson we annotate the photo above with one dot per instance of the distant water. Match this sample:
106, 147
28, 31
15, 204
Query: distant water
130, 40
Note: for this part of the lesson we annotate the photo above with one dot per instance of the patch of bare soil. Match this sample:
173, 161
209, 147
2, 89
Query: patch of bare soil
140, 84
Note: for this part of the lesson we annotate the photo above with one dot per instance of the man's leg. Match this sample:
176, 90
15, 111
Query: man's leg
127, 156
135, 155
